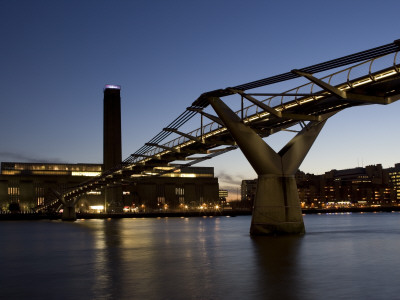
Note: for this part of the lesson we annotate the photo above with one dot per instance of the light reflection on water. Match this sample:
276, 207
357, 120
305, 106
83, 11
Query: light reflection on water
340, 257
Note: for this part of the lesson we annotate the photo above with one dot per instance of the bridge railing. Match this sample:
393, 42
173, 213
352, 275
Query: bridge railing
355, 75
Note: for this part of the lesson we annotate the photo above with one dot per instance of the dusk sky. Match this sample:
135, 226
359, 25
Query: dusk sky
57, 56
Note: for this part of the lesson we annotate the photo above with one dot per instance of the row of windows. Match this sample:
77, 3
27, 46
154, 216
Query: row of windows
14, 194
13, 191
51, 167
53, 172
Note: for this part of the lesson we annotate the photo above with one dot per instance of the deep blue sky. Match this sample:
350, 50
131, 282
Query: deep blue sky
56, 57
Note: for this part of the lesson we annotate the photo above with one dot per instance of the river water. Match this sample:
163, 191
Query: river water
342, 256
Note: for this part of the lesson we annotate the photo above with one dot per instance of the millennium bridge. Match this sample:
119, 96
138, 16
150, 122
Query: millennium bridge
209, 127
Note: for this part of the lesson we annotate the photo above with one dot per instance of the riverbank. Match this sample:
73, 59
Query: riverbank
184, 214
351, 210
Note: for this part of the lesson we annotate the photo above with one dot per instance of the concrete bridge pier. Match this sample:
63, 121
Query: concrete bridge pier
69, 212
276, 207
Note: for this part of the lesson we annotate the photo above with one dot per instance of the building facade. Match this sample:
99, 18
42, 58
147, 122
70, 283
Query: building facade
394, 181
33, 185
248, 191
187, 188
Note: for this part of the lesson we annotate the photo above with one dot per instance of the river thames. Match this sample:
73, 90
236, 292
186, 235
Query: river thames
342, 256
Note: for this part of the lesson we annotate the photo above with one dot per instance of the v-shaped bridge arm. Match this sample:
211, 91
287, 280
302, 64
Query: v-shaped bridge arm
260, 155
59, 196
294, 152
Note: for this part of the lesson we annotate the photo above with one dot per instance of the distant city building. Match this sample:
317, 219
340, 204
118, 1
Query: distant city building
394, 180
309, 188
248, 191
369, 186
357, 186
223, 195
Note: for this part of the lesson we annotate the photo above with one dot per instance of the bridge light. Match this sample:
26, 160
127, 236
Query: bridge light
112, 87
97, 208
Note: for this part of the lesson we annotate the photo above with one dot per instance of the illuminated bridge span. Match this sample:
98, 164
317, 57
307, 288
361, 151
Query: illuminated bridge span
368, 77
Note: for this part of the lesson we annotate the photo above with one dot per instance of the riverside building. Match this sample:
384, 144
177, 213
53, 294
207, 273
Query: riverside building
357, 187
33, 185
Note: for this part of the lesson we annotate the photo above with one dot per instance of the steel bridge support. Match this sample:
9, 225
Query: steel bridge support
276, 207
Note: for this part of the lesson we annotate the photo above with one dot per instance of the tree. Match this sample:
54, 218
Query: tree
14, 208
